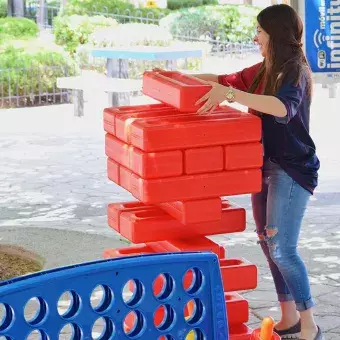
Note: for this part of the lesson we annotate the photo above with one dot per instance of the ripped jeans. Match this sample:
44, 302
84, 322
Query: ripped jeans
278, 212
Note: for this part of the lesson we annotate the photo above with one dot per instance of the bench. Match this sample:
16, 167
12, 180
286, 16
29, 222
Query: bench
113, 86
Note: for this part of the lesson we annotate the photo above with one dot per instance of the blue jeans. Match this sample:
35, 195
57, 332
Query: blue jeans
278, 212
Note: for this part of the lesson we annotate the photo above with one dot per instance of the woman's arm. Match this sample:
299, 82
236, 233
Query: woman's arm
261, 103
285, 103
241, 80
207, 77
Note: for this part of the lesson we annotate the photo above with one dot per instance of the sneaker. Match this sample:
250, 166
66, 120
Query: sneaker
291, 333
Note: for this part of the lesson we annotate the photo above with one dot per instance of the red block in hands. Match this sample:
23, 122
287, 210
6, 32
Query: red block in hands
225, 126
243, 156
153, 224
238, 274
237, 309
196, 211
145, 164
176, 89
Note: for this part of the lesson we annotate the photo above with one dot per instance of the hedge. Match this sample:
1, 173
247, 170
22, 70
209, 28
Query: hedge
234, 23
17, 28
124, 10
28, 74
3, 8
72, 31
178, 4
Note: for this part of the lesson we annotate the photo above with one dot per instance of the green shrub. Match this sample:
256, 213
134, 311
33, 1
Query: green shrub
28, 74
229, 22
17, 28
178, 4
121, 9
210, 2
3, 8
132, 34
72, 31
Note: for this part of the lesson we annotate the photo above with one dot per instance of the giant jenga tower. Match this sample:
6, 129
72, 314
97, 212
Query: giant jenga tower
179, 165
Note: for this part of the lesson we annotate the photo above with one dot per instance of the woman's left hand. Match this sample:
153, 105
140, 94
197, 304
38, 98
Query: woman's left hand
213, 98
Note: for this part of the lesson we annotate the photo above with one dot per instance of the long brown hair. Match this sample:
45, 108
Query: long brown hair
285, 59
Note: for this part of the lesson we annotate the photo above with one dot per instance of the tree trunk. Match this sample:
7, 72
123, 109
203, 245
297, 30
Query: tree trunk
18, 8
41, 14
10, 8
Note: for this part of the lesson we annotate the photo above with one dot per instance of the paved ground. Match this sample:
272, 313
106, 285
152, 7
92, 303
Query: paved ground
54, 190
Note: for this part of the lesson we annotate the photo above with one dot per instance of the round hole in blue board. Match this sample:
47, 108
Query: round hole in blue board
68, 304
166, 337
195, 334
101, 298
164, 318
194, 312
103, 329
133, 293
35, 311
70, 331
6, 316
134, 324
163, 286
193, 281
37, 335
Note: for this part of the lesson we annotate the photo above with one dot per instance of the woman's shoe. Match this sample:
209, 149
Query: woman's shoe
291, 333
318, 336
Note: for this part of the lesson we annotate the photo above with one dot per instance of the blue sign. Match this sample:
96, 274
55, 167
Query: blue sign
322, 25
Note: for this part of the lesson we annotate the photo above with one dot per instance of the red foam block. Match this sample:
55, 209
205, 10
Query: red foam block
238, 274
110, 114
196, 211
146, 165
115, 210
225, 126
195, 187
237, 309
113, 171
185, 188
201, 160
243, 156
139, 249
174, 88
150, 225
240, 332
200, 243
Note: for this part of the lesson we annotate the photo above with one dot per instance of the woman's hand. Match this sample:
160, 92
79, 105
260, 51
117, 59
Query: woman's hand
213, 98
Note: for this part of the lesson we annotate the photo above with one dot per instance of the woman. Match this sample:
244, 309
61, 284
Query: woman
279, 91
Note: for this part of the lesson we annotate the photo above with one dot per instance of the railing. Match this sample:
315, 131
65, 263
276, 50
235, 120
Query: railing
32, 86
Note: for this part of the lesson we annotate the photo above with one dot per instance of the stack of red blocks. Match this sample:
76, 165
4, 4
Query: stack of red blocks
178, 165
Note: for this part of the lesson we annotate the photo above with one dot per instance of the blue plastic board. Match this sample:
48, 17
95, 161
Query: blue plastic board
141, 297
322, 22
145, 54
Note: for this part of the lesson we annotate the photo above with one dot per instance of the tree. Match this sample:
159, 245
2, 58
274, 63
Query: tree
16, 8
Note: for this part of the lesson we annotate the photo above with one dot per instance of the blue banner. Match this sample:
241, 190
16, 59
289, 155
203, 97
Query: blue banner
322, 25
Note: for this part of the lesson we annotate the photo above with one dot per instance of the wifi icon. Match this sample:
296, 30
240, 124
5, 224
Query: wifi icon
319, 38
